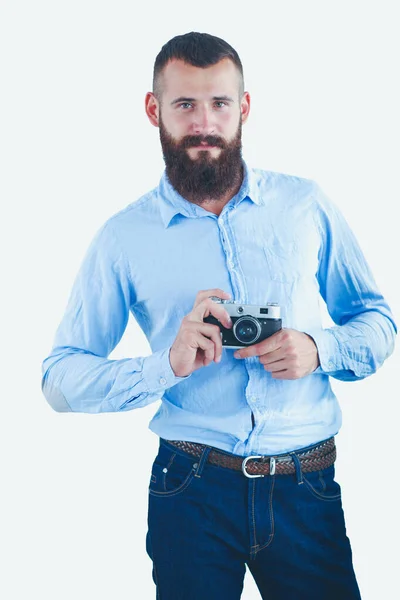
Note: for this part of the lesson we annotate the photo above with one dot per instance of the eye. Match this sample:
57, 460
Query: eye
184, 104
220, 102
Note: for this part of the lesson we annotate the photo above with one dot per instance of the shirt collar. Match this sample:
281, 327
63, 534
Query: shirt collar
171, 203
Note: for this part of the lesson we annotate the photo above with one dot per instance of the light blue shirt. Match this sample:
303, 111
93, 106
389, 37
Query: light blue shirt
280, 239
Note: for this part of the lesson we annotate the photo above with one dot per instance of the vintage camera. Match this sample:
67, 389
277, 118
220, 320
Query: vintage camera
250, 323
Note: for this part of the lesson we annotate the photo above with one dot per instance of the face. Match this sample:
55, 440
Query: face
200, 121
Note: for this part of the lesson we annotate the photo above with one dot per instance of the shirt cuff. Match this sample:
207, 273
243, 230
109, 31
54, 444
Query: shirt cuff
328, 350
157, 372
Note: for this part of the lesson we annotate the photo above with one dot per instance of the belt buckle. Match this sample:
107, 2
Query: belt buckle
271, 466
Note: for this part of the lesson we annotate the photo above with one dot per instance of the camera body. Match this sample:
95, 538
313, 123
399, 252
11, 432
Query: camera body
250, 323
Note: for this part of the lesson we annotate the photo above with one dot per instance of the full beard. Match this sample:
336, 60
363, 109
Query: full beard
203, 179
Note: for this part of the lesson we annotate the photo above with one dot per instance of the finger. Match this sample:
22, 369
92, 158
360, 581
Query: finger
288, 369
207, 337
207, 307
271, 357
214, 333
277, 366
203, 294
208, 346
273, 342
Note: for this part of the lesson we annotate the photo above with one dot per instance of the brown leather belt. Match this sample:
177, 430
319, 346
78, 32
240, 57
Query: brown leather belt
318, 457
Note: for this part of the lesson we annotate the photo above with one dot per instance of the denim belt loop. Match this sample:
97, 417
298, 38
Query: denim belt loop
297, 466
202, 461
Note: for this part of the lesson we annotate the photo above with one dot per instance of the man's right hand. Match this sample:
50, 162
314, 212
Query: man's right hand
197, 343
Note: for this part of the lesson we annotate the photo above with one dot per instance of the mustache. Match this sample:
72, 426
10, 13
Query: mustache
196, 140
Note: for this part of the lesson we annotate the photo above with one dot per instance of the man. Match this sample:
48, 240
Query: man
245, 468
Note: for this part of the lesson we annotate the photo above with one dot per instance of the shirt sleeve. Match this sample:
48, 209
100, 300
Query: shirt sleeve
364, 333
77, 376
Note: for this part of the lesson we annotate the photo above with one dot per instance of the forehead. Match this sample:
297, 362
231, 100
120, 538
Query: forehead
183, 79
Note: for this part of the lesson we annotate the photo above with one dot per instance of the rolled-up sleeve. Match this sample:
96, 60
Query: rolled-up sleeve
364, 333
77, 375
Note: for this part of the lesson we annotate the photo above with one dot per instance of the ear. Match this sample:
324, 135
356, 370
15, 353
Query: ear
152, 108
245, 106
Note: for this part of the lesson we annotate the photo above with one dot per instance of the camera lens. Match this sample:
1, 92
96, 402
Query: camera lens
247, 330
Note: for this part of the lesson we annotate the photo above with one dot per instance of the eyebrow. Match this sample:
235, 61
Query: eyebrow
184, 99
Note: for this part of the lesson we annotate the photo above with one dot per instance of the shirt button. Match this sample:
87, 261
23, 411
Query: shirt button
253, 399
163, 381
230, 263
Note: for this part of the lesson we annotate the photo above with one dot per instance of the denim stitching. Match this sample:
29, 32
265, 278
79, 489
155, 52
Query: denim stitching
271, 520
253, 515
320, 496
178, 490
321, 478
171, 460
271, 516
203, 459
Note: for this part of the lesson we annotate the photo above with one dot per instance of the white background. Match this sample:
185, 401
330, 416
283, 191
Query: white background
76, 148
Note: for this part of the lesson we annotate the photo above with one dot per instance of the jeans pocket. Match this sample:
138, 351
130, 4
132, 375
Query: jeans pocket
322, 485
171, 473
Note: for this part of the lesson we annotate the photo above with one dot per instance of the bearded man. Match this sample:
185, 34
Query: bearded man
244, 473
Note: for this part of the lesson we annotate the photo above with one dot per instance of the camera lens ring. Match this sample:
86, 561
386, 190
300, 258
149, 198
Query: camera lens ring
254, 321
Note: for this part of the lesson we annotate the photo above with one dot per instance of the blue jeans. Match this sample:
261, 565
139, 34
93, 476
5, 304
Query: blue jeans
206, 523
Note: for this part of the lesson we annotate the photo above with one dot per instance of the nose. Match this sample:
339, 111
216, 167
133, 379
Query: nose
203, 122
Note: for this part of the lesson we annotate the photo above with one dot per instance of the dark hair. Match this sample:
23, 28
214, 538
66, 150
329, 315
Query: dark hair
197, 49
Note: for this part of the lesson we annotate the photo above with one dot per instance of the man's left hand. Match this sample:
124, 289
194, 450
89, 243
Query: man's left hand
287, 354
